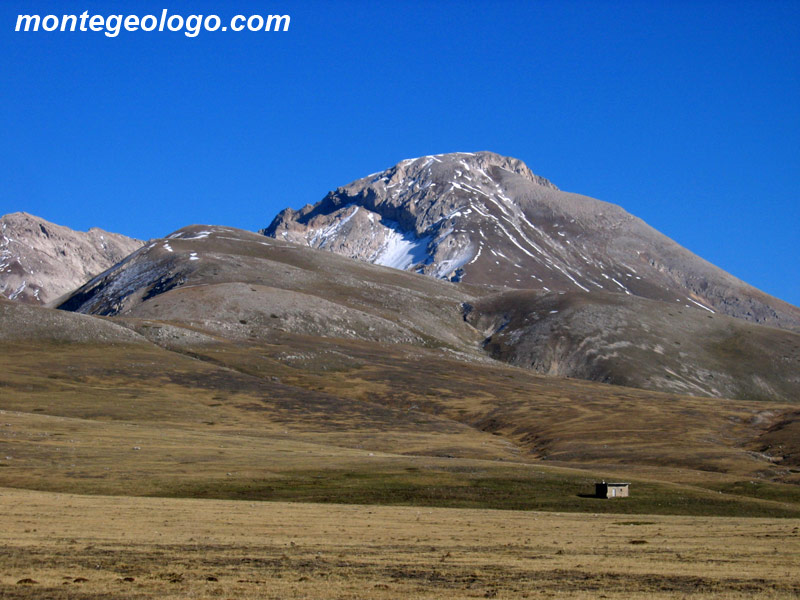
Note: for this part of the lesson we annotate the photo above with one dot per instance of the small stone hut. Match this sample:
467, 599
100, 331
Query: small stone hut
611, 490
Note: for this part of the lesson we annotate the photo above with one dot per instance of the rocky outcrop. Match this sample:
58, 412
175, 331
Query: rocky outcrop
41, 261
405, 216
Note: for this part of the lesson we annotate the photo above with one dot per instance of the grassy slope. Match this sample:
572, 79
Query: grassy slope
350, 421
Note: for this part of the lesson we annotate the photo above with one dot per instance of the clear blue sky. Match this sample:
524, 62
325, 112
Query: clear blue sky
686, 113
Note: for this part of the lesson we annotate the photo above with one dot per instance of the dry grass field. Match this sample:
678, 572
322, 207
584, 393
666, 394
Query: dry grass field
350, 422
76, 547
304, 467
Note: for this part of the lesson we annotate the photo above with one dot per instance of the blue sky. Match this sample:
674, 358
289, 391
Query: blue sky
686, 113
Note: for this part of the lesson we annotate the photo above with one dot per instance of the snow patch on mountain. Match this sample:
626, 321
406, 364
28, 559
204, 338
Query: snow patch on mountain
402, 250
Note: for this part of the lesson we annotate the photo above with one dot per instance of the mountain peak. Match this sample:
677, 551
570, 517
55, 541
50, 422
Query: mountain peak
487, 219
408, 210
469, 164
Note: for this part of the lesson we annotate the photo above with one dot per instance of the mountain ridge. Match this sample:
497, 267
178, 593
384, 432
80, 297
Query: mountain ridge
239, 286
41, 261
229, 284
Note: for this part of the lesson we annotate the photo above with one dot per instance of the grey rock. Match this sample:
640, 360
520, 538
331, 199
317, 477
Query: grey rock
41, 261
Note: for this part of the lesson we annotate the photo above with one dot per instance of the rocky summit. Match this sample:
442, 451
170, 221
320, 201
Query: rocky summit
41, 261
486, 219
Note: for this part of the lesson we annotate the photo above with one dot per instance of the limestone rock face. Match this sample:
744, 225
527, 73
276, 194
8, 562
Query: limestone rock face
486, 219
41, 261
405, 217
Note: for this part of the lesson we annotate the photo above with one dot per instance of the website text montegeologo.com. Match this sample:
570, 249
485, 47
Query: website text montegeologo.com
112, 25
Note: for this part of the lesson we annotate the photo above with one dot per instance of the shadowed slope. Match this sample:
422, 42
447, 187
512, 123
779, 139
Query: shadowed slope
636, 342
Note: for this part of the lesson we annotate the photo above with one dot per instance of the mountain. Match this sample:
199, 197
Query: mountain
41, 261
221, 283
227, 284
486, 219
240, 285
219, 363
